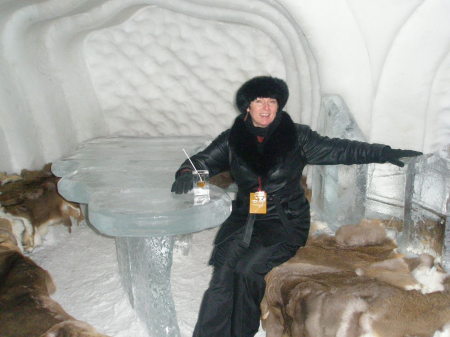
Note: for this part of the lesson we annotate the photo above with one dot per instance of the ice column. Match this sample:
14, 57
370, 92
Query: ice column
446, 254
426, 207
338, 190
144, 265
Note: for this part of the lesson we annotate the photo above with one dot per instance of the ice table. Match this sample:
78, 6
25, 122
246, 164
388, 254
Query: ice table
125, 183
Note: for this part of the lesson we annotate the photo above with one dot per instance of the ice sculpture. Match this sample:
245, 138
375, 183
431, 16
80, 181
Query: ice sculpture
385, 197
411, 201
427, 196
338, 190
125, 183
345, 194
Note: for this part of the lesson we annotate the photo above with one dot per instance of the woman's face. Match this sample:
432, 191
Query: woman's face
263, 111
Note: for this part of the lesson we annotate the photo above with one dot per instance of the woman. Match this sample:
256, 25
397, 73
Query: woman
265, 152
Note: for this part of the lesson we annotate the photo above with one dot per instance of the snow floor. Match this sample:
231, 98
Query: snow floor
84, 268
85, 271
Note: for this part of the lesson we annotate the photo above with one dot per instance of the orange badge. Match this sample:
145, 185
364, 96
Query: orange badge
258, 202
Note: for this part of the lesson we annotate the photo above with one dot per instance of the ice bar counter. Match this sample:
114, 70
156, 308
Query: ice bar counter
125, 184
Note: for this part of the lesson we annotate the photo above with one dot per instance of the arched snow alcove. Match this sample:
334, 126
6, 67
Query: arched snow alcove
72, 70
76, 70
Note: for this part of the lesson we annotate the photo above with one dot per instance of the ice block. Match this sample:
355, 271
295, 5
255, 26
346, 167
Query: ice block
339, 191
427, 196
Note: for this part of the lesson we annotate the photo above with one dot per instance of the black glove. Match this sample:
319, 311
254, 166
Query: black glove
183, 183
393, 155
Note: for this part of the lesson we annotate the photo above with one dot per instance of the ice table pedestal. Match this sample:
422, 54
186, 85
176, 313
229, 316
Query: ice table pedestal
125, 183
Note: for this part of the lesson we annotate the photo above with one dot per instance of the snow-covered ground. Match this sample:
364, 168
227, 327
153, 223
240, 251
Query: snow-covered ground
84, 268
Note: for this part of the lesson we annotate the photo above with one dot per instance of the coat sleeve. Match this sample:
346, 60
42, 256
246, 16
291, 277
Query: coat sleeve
214, 158
320, 150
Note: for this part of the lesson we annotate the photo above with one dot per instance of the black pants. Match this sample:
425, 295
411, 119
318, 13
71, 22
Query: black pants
230, 306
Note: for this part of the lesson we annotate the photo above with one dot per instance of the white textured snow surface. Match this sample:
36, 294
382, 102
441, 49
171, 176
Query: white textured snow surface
84, 268
73, 70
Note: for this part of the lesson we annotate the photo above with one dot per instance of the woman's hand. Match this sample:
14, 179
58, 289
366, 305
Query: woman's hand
183, 183
393, 155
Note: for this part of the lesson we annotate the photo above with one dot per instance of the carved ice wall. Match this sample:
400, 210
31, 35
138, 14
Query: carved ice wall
76, 69
166, 73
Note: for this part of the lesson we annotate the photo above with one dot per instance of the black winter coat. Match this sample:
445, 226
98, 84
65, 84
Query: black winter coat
285, 153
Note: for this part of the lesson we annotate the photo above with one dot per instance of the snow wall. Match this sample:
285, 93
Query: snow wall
72, 70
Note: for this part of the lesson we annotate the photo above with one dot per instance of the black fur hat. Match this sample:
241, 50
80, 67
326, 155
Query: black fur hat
262, 86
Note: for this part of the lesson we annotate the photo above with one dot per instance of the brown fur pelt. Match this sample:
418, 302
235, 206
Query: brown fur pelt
30, 185
33, 203
30, 204
350, 285
308, 191
26, 308
72, 328
222, 180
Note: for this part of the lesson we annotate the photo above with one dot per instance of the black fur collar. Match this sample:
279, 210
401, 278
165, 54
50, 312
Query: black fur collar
275, 148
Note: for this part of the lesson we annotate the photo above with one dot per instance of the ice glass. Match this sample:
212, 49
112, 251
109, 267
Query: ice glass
201, 187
